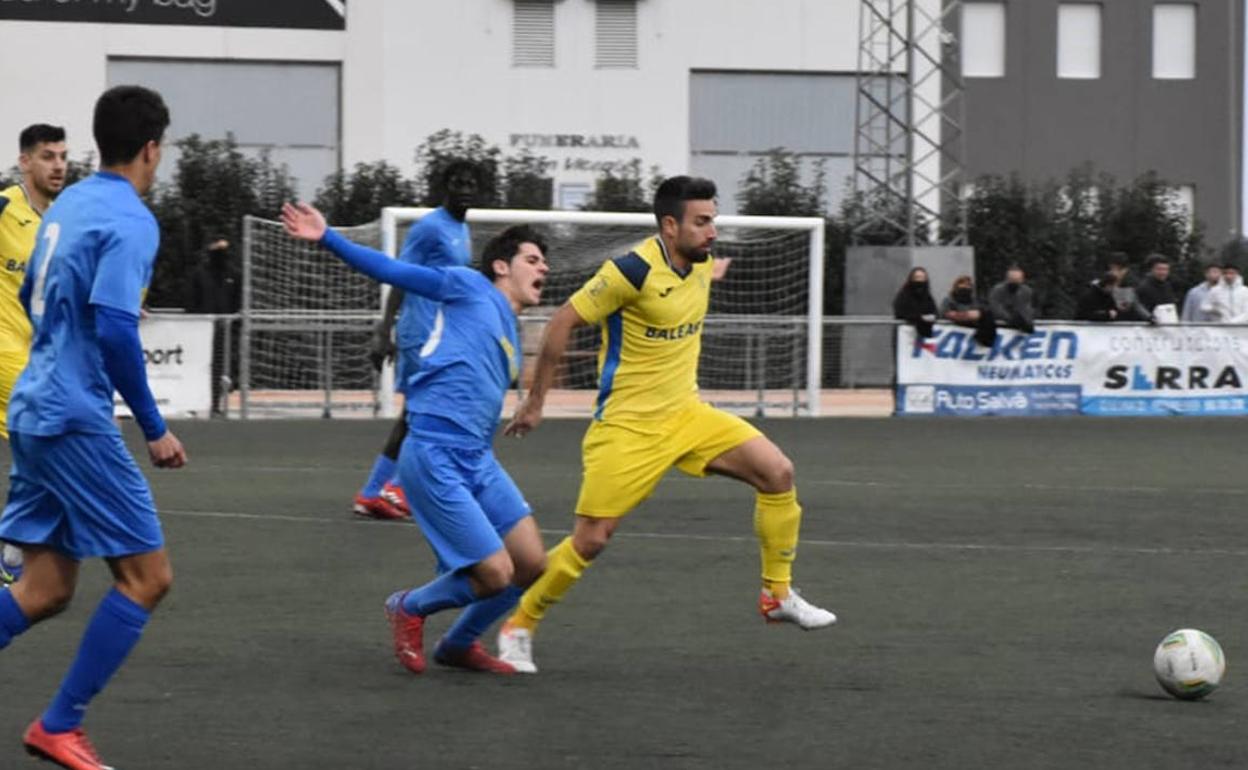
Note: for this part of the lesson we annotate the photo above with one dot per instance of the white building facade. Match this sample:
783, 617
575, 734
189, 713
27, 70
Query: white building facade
701, 86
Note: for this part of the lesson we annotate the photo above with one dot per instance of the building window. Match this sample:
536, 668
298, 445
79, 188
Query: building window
574, 197
1174, 41
1183, 199
1079, 41
983, 40
533, 34
615, 30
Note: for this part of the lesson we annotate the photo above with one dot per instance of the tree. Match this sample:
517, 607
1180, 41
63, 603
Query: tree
526, 184
214, 186
621, 188
773, 187
1061, 234
445, 146
358, 197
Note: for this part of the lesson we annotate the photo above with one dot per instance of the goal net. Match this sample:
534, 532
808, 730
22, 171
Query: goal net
762, 341
307, 319
306, 323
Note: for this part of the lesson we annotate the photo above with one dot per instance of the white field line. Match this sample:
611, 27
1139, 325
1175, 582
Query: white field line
806, 542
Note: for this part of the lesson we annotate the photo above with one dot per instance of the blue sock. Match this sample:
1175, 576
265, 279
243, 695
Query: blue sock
480, 615
12, 621
113, 631
443, 592
383, 471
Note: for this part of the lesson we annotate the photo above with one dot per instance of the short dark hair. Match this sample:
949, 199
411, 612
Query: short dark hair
505, 245
126, 119
671, 195
37, 134
1108, 279
1157, 259
1117, 259
454, 167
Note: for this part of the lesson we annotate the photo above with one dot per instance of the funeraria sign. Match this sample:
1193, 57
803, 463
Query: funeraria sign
540, 142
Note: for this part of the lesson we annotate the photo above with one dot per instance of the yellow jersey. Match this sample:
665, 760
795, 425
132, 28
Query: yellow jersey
18, 225
651, 319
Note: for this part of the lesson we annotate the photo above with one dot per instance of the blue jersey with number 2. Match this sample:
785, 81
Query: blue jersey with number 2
96, 247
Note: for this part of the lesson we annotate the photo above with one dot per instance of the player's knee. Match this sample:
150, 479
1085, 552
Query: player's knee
493, 575
529, 571
50, 602
777, 476
589, 543
150, 587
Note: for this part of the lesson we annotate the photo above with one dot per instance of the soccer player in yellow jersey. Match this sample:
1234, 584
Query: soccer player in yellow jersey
648, 417
43, 161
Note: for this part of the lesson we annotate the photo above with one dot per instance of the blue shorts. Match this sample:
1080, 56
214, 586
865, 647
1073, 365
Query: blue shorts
463, 500
80, 494
406, 363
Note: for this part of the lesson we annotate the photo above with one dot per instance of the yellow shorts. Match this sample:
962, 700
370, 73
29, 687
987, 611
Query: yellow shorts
11, 367
624, 463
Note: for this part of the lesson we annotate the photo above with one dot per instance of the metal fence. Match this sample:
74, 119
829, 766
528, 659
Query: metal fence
293, 364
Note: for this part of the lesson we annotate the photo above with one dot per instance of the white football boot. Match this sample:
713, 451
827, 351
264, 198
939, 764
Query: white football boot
515, 646
793, 609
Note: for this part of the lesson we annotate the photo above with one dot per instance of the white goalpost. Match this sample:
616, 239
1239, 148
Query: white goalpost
307, 319
763, 339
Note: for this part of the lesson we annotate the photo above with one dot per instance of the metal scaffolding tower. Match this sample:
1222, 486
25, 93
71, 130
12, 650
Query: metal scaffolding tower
909, 115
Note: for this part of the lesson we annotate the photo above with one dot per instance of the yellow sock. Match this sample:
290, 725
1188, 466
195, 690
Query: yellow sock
564, 566
777, 518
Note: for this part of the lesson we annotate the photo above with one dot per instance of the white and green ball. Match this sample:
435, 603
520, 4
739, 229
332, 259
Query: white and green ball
1189, 664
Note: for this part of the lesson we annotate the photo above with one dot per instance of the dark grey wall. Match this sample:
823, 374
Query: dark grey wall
1125, 123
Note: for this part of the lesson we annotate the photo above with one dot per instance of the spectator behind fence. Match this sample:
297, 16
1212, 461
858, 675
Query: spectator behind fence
1197, 306
1129, 307
1098, 302
1157, 293
963, 308
1228, 301
1012, 302
214, 287
914, 304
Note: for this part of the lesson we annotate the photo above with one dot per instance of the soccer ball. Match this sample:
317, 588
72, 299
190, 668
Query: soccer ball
1189, 664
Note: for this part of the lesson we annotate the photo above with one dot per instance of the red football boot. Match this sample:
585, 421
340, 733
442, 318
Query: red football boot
72, 749
471, 658
408, 631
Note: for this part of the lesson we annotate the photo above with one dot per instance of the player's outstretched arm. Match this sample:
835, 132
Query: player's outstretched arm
554, 343
306, 223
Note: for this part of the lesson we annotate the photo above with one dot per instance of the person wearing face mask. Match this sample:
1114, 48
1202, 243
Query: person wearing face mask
963, 308
214, 290
1012, 301
914, 304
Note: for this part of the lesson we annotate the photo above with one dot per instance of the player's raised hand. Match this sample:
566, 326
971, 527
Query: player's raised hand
527, 417
303, 221
719, 267
167, 451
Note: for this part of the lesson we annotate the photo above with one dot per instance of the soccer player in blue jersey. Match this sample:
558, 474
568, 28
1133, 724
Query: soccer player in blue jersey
439, 239
75, 491
472, 514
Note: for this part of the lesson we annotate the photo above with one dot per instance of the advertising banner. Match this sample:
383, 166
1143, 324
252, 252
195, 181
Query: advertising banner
288, 14
1105, 369
178, 352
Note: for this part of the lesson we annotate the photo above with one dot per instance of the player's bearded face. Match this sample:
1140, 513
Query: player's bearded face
46, 165
697, 231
